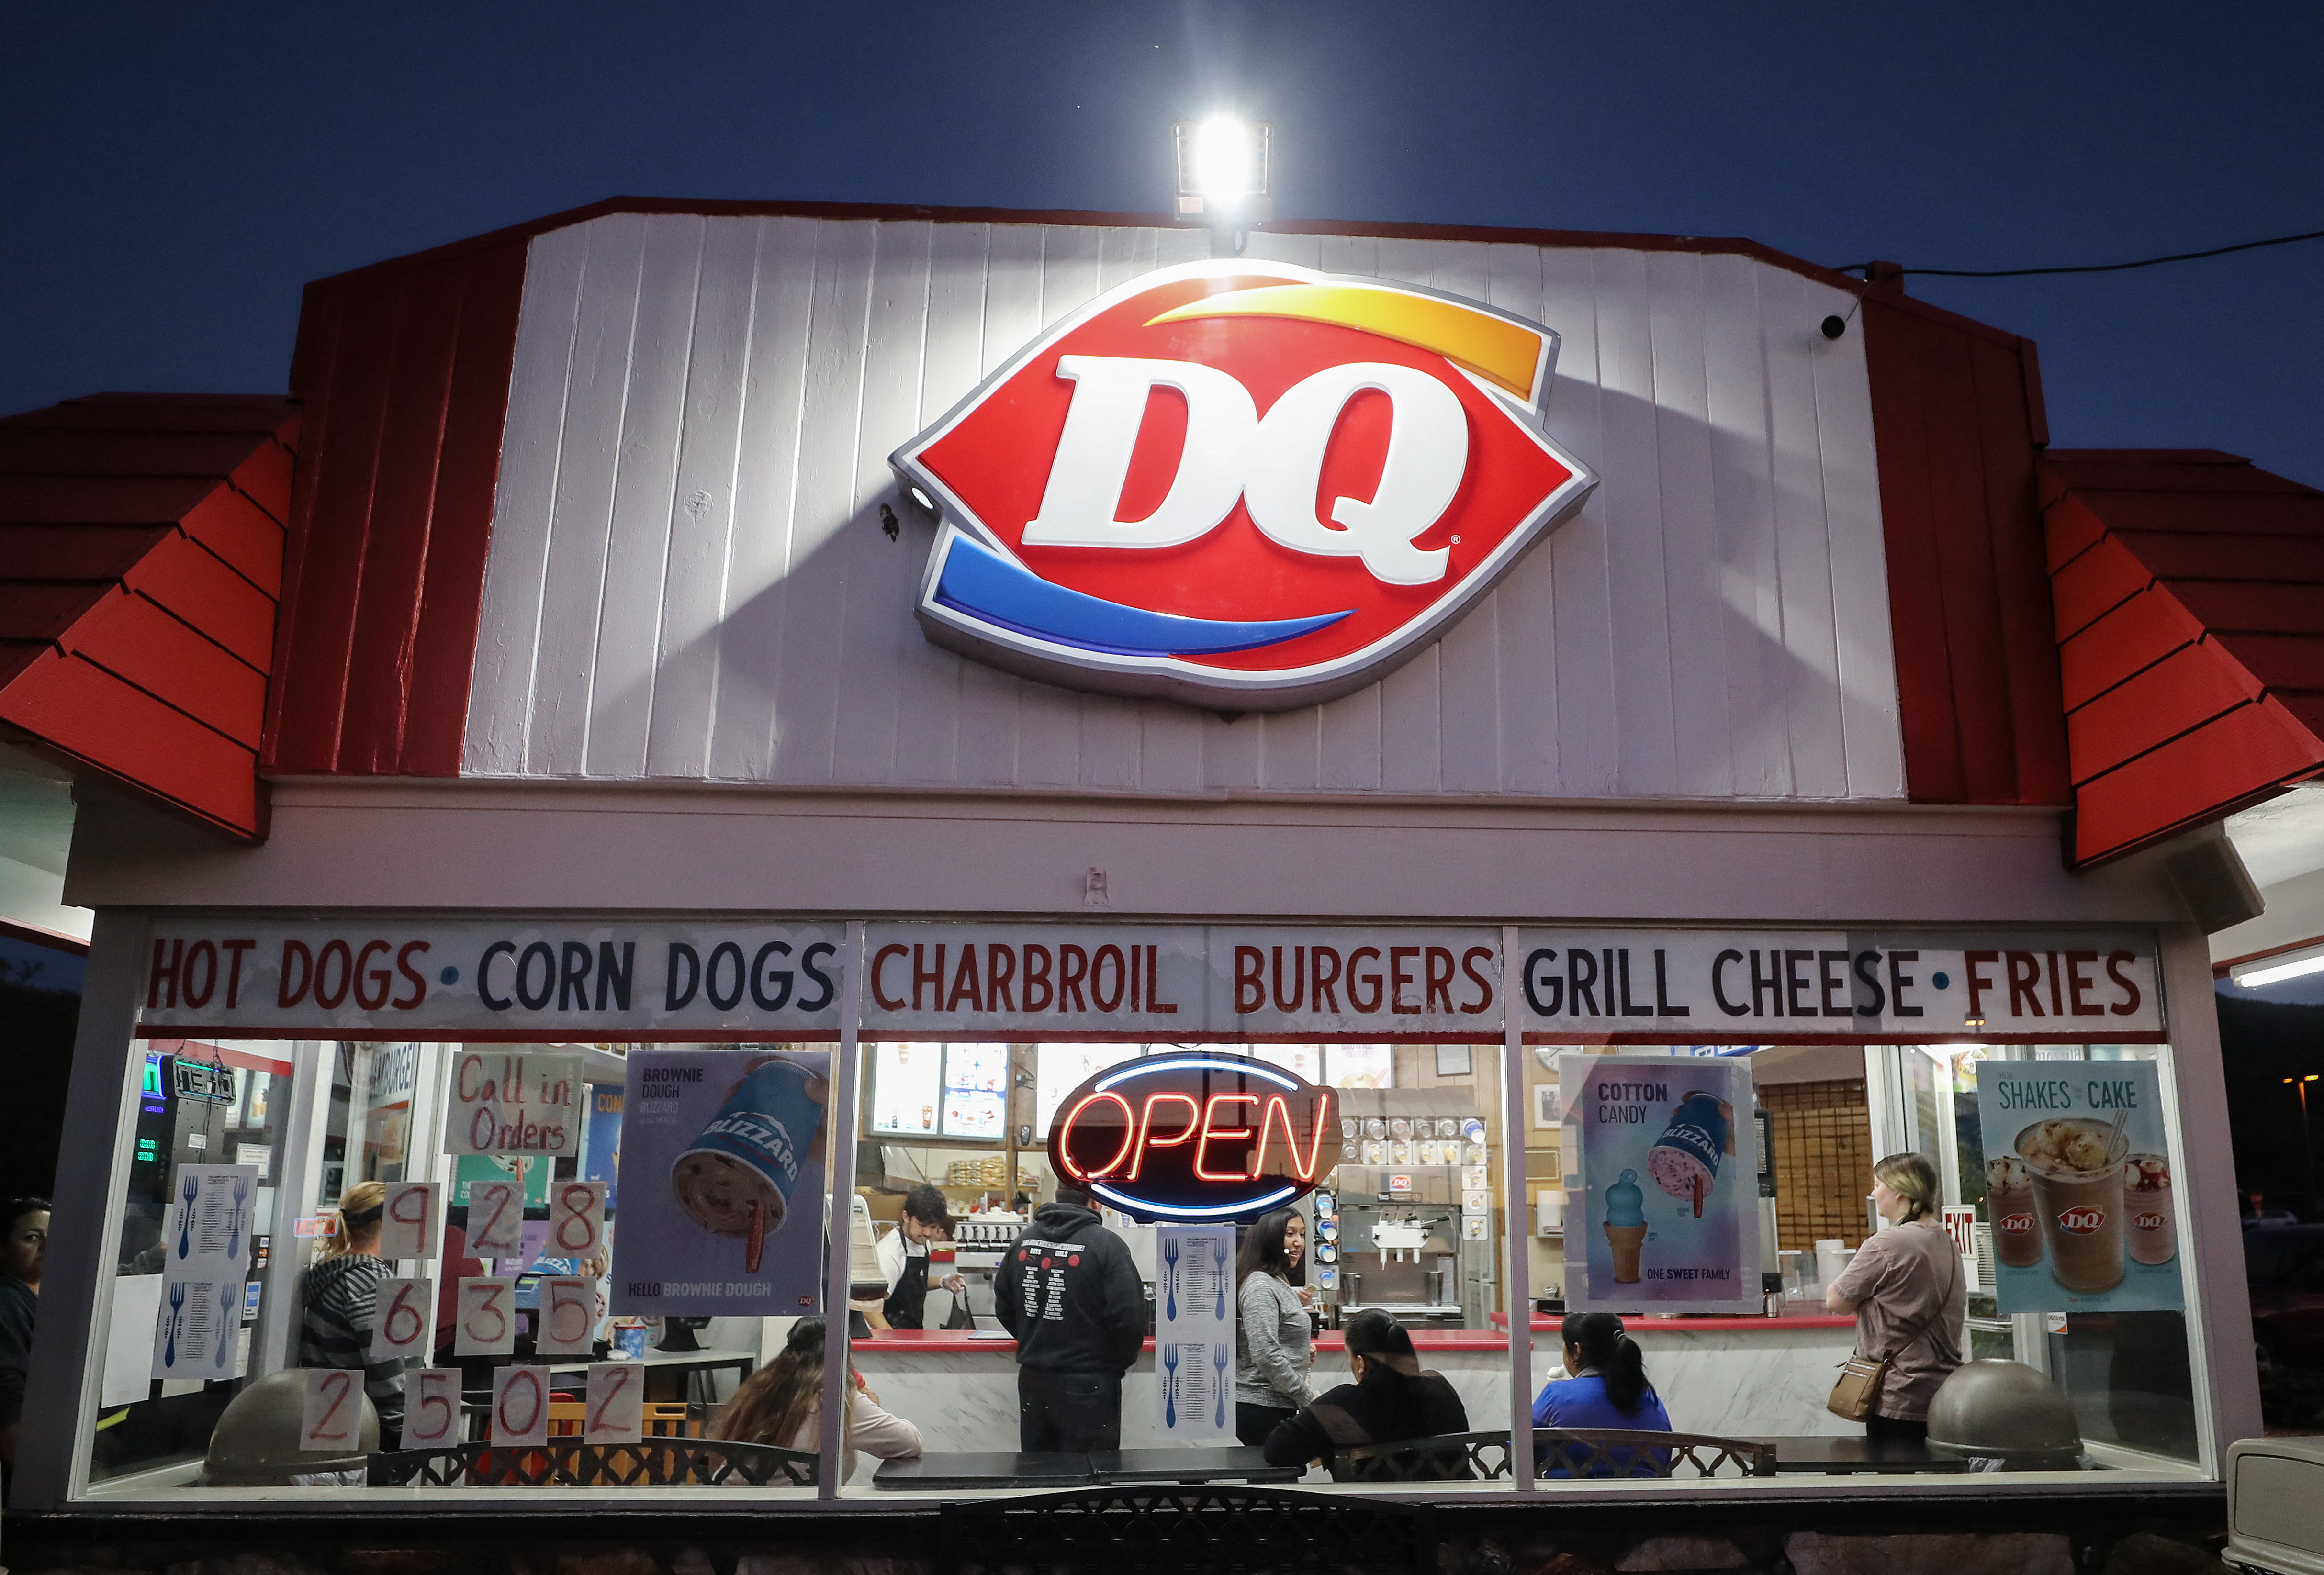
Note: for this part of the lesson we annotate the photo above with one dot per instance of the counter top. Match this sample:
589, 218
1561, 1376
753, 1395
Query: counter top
1641, 1323
956, 1343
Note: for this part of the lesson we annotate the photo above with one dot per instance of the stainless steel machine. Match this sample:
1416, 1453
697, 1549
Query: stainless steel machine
1413, 1237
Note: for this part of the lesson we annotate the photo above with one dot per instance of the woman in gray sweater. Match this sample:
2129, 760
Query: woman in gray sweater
1273, 1344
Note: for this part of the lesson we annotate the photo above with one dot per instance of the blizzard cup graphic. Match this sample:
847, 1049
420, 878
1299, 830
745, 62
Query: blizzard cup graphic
736, 1178
2078, 1194
2153, 1219
1685, 1161
2009, 1195
1626, 1226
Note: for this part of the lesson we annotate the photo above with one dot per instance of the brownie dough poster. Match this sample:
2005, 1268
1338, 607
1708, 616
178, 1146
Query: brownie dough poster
721, 1184
2078, 1187
1661, 1211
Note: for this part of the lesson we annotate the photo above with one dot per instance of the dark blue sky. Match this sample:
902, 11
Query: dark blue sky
171, 174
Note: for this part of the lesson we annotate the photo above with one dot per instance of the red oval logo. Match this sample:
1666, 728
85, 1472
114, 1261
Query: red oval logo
2081, 1221
1197, 1135
2148, 1222
2014, 1225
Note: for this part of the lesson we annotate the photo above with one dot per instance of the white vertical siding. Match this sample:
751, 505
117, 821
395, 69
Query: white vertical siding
689, 580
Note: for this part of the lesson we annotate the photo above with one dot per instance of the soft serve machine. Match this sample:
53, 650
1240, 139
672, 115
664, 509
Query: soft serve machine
1405, 1229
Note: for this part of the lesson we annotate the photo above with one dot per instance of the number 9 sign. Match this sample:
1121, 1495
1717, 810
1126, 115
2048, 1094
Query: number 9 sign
332, 1420
487, 1318
520, 1405
431, 1408
568, 1318
576, 1219
408, 1227
403, 1315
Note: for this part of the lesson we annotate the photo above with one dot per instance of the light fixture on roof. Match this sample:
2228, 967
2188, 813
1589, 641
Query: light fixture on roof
1225, 168
2275, 969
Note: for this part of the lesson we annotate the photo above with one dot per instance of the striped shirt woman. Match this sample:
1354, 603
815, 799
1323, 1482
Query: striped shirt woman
342, 1293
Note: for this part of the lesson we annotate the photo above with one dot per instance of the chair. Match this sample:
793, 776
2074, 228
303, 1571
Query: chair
659, 1418
1174, 1530
1485, 1456
562, 1462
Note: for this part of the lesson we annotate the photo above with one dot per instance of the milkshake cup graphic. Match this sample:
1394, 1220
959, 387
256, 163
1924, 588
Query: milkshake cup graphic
2009, 1195
736, 1179
2152, 1219
2078, 1190
1626, 1226
1685, 1161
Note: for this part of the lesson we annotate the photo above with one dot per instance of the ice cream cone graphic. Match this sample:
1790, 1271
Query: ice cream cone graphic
1626, 1226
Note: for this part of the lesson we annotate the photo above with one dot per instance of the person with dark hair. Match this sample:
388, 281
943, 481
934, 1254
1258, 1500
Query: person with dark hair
1906, 1286
904, 1258
1069, 1291
1391, 1399
1605, 1391
781, 1404
342, 1302
1272, 1335
23, 1248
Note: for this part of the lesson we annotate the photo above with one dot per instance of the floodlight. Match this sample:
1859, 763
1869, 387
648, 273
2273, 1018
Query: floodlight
2283, 966
1224, 172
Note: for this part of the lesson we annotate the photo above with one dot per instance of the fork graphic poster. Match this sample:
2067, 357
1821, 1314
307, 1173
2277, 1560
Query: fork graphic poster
1193, 1332
199, 1325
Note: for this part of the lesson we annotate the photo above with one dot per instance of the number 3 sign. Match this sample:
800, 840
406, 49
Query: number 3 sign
487, 1318
404, 1315
332, 1420
576, 1219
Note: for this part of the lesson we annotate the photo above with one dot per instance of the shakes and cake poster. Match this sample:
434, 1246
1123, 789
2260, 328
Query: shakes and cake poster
2078, 1186
1661, 1207
721, 1184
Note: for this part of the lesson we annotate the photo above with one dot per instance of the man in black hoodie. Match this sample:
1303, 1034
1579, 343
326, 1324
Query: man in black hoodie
1069, 1292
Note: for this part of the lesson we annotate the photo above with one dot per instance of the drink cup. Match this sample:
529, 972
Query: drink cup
2151, 1216
2077, 1196
736, 1178
2009, 1197
1685, 1161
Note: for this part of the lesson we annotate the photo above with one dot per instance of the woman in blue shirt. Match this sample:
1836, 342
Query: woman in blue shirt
1607, 1392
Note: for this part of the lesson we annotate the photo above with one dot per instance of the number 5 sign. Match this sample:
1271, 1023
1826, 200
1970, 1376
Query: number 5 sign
332, 1421
409, 1227
431, 1408
404, 1315
576, 1219
568, 1318
487, 1318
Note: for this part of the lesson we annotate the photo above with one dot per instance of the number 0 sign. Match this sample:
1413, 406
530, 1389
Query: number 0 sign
576, 1219
487, 1318
568, 1318
403, 1315
431, 1408
409, 1227
520, 1405
496, 1218
332, 1420
616, 1410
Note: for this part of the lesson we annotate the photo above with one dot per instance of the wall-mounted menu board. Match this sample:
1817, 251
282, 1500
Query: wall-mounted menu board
924, 1089
975, 1090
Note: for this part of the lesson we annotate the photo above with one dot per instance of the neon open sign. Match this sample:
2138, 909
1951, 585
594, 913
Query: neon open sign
1196, 1135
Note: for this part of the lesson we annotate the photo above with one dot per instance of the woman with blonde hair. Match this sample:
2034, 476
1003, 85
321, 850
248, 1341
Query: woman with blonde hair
1906, 1289
341, 1293
783, 1404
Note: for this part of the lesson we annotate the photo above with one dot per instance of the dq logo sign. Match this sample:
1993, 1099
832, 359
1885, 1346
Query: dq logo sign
2081, 1221
2016, 1224
2149, 1220
1242, 484
1199, 1135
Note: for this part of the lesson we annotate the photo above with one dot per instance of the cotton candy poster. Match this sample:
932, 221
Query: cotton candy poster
1662, 1199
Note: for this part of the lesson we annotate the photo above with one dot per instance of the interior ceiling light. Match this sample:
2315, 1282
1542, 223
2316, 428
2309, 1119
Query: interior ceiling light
2275, 969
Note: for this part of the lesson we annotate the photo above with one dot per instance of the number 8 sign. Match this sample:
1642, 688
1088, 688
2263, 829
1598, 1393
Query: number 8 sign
332, 1420
576, 1219
403, 1315
520, 1405
431, 1408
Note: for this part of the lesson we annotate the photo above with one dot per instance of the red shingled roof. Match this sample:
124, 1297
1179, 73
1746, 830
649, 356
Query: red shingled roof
2189, 592
141, 562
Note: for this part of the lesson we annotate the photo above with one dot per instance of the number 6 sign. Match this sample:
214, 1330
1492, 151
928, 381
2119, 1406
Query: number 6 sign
496, 1218
403, 1315
615, 1413
576, 1219
487, 1318
520, 1405
332, 1420
431, 1408
408, 1230
568, 1318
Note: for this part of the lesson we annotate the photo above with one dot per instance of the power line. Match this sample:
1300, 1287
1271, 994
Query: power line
2092, 268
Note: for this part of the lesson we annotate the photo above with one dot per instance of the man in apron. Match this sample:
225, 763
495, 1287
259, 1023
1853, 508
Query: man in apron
904, 1258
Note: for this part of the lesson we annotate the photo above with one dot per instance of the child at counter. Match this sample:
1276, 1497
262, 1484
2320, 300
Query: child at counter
1606, 1391
783, 1404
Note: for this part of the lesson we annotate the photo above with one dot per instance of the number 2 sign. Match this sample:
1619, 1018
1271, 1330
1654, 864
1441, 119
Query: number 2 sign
496, 1218
615, 1413
332, 1420
520, 1405
431, 1408
576, 1219
487, 1318
408, 1228
568, 1317
403, 1315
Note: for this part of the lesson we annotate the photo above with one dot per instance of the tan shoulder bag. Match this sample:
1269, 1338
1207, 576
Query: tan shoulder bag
1861, 1377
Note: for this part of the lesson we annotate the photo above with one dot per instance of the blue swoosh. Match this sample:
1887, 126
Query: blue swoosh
978, 581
